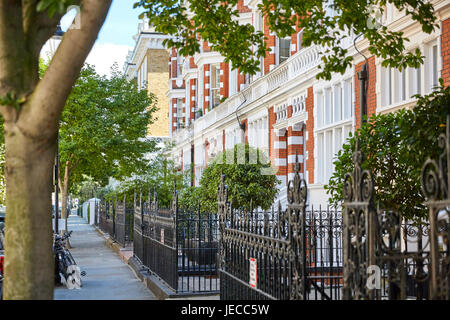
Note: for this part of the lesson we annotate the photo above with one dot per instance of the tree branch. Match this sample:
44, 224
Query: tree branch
12, 50
41, 114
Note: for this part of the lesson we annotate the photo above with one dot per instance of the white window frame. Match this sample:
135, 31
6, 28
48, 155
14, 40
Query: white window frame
331, 135
399, 87
214, 90
300, 40
200, 88
277, 48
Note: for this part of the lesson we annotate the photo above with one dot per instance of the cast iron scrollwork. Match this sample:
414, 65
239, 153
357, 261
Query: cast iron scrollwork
297, 193
224, 208
435, 184
358, 195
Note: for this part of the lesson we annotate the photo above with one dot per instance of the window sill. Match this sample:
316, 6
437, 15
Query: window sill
334, 125
397, 106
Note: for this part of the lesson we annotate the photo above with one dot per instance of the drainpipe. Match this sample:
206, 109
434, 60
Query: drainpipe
363, 77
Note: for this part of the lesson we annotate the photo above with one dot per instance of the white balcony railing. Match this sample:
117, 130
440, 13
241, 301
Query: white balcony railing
281, 112
296, 66
298, 104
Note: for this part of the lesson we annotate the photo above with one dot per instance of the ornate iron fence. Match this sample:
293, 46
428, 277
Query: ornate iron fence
119, 221
324, 258
301, 252
180, 247
197, 248
435, 186
280, 254
106, 213
388, 258
122, 223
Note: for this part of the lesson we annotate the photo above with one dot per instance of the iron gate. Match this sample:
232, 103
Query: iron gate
119, 221
280, 254
386, 257
180, 247
106, 217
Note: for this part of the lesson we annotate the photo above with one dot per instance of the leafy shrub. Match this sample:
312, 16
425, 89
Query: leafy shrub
395, 147
248, 175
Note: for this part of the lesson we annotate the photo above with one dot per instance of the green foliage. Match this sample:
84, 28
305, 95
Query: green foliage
103, 128
86, 189
190, 199
2, 172
250, 183
160, 174
395, 147
54, 6
11, 99
215, 21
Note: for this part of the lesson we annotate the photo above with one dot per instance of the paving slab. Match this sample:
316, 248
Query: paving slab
108, 277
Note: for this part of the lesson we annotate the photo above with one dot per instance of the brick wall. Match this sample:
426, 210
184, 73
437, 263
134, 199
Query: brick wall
270, 42
294, 149
206, 146
241, 7
192, 84
158, 76
223, 140
224, 79
245, 122
205, 89
174, 114
240, 80
445, 52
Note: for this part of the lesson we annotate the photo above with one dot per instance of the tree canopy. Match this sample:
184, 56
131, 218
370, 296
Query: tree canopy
104, 126
324, 23
31, 108
103, 129
160, 176
250, 179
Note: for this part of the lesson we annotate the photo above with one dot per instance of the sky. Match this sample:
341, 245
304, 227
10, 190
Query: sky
115, 38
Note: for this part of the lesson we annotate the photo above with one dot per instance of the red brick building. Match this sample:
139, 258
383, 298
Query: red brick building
287, 112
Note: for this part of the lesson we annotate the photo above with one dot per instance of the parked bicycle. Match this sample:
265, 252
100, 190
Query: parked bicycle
66, 269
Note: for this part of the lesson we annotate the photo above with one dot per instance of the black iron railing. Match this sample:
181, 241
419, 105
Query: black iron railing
386, 257
180, 247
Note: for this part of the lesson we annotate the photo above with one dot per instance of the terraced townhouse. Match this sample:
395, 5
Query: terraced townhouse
284, 110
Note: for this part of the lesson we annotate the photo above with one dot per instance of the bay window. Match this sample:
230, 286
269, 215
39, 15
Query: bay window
283, 49
399, 86
214, 86
334, 124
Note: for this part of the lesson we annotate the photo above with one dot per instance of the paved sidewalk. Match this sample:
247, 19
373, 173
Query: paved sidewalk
108, 276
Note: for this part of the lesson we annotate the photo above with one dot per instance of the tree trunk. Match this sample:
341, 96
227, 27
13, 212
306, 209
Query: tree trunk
64, 188
29, 173
31, 127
